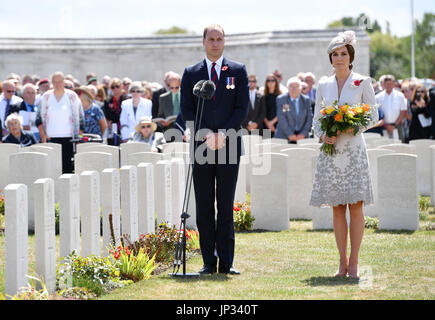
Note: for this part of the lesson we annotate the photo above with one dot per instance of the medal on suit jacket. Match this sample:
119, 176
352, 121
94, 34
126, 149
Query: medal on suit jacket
231, 83
285, 107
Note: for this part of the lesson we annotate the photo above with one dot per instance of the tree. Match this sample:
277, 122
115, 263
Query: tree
173, 30
362, 21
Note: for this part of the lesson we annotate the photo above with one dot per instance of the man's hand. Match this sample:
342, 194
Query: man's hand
390, 128
292, 137
252, 126
215, 141
300, 136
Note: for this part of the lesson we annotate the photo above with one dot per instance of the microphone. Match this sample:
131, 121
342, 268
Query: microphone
197, 88
207, 90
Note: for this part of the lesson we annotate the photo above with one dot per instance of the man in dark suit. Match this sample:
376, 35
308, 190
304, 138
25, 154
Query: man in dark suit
294, 113
256, 112
215, 180
169, 102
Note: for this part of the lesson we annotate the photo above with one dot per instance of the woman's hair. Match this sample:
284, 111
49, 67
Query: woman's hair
277, 90
350, 50
137, 85
101, 92
414, 93
14, 116
115, 81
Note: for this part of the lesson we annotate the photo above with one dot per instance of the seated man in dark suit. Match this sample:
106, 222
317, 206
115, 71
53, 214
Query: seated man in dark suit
256, 112
294, 113
169, 102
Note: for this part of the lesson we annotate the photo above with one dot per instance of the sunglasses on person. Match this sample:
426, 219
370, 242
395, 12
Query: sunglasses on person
174, 88
115, 87
10, 91
135, 91
270, 80
146, 126
252, 81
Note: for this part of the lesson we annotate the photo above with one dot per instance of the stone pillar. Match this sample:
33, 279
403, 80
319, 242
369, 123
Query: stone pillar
129, 223
146, 204
16, 242
110, 204
90, 210
69, 214
45, 238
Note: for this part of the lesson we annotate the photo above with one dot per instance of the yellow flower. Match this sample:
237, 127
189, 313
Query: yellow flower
358, 110
329, 110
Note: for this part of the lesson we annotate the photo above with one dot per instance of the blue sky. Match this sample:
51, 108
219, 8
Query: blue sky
120, 18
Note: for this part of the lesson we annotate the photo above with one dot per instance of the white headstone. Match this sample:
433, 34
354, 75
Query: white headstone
58, 158
240, 194
424, 166
163, 191
172, 147
397, 193
27, 168
191, 206
178, 189
132, 147
6, 149
45, 238
250, 141
146, 202
110, 204
16, 238
308, 140
99, 147
69, 214
373, 155
399, 148
269, 195
129, 204
147, 157
92, 161
90, 210
300, 181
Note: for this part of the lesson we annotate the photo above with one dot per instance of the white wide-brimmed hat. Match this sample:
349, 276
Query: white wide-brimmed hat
146, 120
343, 38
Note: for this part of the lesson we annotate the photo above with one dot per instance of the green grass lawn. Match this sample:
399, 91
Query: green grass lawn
299, 264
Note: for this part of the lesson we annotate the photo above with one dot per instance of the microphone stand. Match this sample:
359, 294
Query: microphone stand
180, 251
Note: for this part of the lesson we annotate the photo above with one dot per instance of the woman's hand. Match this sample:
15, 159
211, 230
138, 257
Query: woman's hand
329, 140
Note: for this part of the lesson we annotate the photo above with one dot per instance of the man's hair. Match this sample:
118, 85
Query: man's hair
386, 77
210, 27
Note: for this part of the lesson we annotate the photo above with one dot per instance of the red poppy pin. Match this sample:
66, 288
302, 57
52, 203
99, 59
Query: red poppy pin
224, 68
357, 83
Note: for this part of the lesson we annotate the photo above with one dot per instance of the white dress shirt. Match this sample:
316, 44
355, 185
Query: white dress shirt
392, 104
217, 67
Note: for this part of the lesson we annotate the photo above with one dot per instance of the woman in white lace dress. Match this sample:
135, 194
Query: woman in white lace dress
343, 179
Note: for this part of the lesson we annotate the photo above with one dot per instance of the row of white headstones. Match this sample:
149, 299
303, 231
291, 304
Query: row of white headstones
277, 175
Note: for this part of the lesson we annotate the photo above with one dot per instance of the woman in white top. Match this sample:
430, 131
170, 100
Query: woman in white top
343, 179
60, 118
133, 110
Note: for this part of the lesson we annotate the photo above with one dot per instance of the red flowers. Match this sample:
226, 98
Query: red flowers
224, 68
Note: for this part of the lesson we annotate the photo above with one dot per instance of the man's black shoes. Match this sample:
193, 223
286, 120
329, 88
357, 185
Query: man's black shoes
207, 269
228, 270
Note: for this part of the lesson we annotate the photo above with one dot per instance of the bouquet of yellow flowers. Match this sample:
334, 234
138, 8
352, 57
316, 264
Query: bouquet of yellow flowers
335, 119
